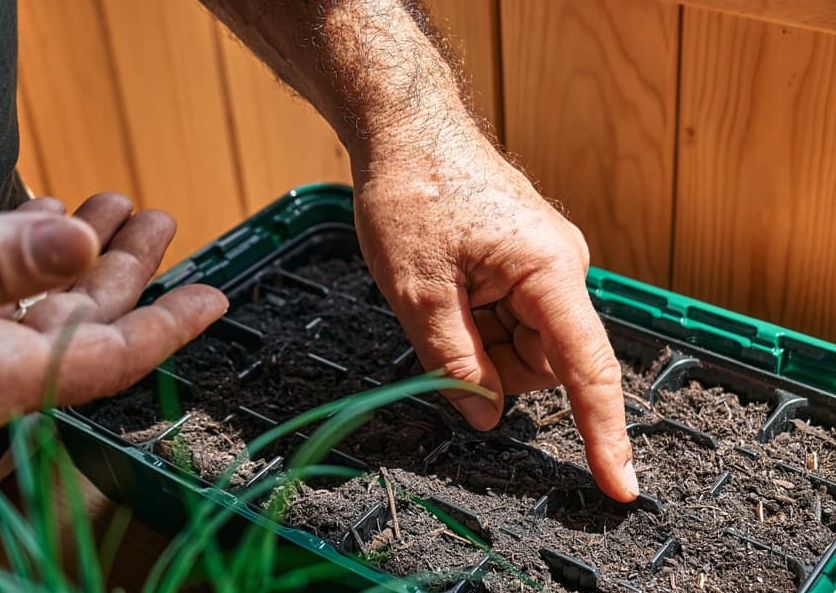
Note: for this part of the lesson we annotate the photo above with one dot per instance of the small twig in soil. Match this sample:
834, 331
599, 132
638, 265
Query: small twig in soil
228, 440
813, 461
554, 418
639, 400
391, 496
759, 511
456, 537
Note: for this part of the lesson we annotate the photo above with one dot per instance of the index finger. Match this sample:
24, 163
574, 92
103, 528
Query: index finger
101, 359
581, 356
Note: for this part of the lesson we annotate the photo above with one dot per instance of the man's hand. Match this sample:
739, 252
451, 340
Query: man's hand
488, 280
95, 265
485, 276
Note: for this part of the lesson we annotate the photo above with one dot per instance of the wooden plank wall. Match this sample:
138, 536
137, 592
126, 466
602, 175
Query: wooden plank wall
590, 107
756, 200
696, 149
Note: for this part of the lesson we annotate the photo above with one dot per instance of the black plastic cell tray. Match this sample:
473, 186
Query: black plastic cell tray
144, 476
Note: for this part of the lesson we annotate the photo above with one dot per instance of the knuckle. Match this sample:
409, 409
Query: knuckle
583, 249
577, 250
464, 367
112, 198
601, 370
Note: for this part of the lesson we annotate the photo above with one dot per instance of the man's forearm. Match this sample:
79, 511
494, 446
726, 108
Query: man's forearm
368, 66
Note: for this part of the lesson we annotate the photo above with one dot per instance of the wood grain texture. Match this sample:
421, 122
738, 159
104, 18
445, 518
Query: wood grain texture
756, 209
590, 99
812, 14
472, 28
72, 135
169, 71
281, 141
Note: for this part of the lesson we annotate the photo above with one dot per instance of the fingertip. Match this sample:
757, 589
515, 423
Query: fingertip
631, 480
613, 470
201, 304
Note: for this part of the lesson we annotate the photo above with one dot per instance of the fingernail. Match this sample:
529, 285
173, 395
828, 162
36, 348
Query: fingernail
631, 482
62, 246
479, 411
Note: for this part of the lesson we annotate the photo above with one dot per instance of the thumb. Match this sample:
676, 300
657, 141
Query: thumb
39, 251
442, 330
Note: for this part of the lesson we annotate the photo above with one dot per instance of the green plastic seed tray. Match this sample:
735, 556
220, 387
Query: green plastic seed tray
270, 261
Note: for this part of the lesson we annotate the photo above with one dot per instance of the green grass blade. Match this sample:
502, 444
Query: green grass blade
88, 561
112, 539
12, 583
420, 384
19, 441
35, 451
13, 549
32, 444
359, 406
19, 539
171, 568
46, 520
355, 412
348, 413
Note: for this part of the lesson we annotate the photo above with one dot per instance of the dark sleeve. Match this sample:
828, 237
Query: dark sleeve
13, 194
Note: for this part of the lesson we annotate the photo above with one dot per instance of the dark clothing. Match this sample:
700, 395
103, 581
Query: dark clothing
10, 189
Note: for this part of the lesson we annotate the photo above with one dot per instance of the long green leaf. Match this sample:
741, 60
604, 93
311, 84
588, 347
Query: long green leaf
12, 583
348, 410
173, 565
351, 415
19, 538
88, 561
14, 552
112, 539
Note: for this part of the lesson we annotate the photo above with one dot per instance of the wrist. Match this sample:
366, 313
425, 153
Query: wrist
438, 136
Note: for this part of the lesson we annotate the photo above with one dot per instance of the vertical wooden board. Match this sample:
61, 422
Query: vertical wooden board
473, 30
756, 206
169, 73
72, 134
281, 141
590, 107
30, 163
